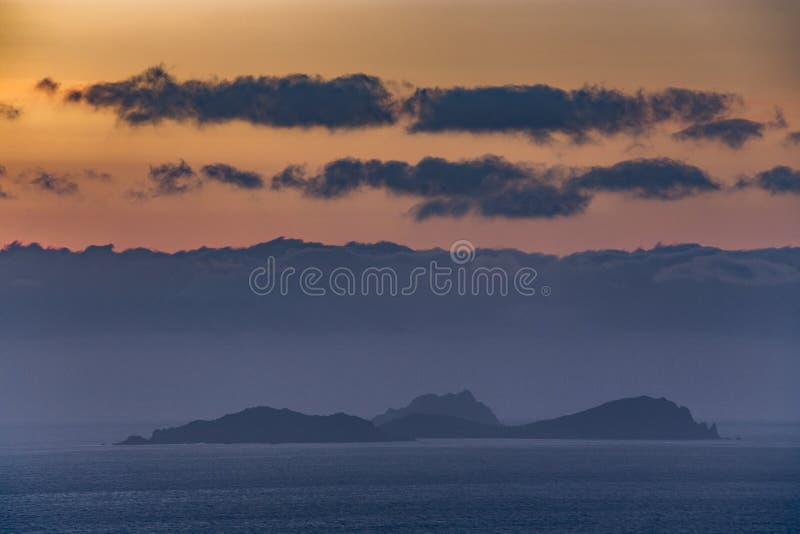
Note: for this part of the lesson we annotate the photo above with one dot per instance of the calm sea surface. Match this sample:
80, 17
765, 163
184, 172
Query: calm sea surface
62, 479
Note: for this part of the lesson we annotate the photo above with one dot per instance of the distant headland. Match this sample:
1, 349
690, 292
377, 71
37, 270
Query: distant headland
451, 415
269, 425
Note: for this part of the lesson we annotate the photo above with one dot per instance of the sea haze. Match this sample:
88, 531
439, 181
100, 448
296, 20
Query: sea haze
106, 335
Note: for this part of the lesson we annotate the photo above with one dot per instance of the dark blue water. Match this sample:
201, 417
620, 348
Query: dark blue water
52, 480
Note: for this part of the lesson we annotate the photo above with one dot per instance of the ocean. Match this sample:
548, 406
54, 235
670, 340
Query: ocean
68, 478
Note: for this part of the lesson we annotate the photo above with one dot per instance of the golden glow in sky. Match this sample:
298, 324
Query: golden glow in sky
747, 48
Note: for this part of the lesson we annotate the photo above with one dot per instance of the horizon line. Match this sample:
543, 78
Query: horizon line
399, 247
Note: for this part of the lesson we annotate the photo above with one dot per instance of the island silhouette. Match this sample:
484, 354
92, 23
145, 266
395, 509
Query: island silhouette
451, 415
462, 405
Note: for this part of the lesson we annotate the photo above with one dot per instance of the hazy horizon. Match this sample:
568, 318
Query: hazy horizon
135, 334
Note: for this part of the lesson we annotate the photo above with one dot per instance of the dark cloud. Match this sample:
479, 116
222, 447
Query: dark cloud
535, 200
9, 112
292, 176
442, 208
52, 183
542, 110
61, 184
47, 85
173, 179
169, 179
532, 201
298, 100
475, 177
228, 174
662, 178
360, 100
346, 175
686, 105
793, 138
489, 186
778, 181
429, 178
494, 187
731, 132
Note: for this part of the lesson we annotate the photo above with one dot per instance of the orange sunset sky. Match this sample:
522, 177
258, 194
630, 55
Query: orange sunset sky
747, 48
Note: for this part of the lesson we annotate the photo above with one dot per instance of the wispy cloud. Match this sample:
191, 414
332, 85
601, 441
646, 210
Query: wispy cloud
734, 133
731, 132
779, 180
9, 112
171, 179
228, 174
47, 85
61, 185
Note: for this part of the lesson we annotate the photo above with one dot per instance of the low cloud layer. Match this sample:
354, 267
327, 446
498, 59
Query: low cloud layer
116, 316
153, 96
541, 110
494, 187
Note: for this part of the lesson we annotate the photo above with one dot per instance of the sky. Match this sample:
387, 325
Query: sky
82, 172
